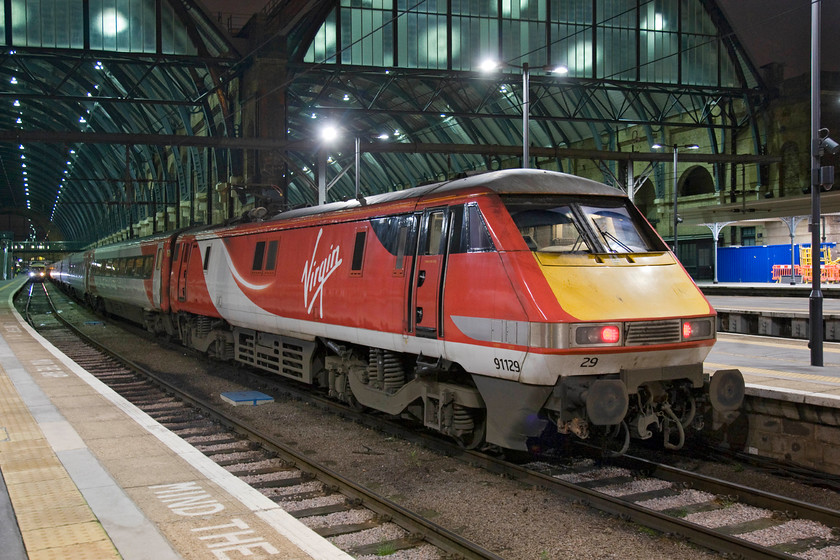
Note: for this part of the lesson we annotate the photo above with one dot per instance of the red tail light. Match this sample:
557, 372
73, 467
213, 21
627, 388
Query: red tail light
595, 335
698, 329
610, 334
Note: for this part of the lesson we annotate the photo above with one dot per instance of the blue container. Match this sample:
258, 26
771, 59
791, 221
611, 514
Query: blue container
755, 264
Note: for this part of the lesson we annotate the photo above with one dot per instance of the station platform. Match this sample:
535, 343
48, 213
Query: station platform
777, 367
769, 289
86, 475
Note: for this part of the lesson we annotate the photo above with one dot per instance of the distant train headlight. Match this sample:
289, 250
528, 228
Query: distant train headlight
597, 335
697, 329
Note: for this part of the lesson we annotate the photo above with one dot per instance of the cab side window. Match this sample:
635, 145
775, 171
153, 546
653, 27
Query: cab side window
478, 237
469, 232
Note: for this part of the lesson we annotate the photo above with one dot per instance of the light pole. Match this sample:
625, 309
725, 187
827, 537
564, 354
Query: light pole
489, 65
358, 164
526, 115
821, 176
676, 186
329, 135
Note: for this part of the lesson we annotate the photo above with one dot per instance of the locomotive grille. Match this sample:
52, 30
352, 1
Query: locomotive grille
275, 353
653, 332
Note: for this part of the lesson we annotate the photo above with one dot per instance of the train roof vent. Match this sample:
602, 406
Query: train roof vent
652, 332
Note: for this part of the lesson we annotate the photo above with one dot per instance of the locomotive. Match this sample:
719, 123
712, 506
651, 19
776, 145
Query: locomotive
489, 308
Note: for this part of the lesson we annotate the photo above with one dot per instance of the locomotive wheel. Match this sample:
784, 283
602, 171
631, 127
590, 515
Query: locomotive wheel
474, 438
352, 401
617, 433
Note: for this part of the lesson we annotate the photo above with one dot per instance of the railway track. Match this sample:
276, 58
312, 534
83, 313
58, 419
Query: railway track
735, 520
355, 519
730, 518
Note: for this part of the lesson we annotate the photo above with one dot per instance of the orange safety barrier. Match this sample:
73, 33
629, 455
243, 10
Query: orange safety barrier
780, 270
828, 273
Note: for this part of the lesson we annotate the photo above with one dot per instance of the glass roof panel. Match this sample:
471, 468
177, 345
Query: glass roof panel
113, 25
116, 25
663, 41
175, 38
122, 82
375, 45
47, 23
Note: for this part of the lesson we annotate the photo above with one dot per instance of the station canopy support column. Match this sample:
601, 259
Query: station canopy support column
791, 222
716, 228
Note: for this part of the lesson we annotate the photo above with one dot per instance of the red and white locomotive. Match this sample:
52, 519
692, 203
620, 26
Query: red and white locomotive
484, 307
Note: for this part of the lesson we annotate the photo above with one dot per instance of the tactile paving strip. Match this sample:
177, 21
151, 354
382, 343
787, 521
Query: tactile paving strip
54, 519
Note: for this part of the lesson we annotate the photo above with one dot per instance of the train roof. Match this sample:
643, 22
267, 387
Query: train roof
506, 181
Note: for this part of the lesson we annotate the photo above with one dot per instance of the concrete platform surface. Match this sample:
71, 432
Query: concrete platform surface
86, 474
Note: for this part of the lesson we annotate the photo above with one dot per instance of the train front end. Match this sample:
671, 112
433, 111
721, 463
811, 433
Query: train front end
618, 328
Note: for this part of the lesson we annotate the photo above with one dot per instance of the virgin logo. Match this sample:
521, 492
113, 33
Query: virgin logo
315, 275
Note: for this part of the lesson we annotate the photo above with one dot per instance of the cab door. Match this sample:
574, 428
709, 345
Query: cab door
429, 268
186, 252
156, 275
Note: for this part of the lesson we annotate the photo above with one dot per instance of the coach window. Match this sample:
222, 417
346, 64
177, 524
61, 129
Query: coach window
358, 253
259, 255
207, 257
271, 255
158, 259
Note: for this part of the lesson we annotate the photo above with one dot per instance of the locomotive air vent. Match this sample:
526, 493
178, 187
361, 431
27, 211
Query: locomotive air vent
652, 332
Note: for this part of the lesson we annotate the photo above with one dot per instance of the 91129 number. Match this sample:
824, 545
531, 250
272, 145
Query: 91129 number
507, 365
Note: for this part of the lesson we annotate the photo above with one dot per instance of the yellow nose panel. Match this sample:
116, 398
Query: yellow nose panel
607, 288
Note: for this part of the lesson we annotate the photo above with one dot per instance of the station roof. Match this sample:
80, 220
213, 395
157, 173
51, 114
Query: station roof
123, 109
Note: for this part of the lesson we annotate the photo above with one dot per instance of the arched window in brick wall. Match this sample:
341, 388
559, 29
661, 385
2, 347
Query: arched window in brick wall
696, 180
